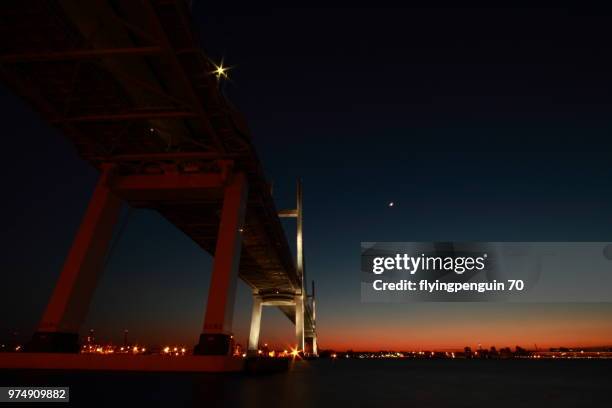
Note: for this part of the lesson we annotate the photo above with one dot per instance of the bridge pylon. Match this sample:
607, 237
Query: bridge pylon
216, 337
69, 303
67, 308
298, 304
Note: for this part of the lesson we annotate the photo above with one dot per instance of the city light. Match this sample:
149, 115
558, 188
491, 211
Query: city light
487, 354
174, 350
265, 352
132, 350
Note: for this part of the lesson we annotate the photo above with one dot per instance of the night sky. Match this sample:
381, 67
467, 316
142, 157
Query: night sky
482, 125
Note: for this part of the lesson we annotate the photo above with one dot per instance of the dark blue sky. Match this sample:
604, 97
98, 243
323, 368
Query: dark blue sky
489, 125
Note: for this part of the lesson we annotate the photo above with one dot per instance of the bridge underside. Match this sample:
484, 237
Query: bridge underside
127, 83
129, 86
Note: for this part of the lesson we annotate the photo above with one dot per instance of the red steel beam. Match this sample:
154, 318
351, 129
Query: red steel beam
220, 304
80, 54
118, 117
168, 181
74, 289
168, 187
171, 156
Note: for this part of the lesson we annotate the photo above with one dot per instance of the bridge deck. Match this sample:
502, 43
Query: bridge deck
127, 82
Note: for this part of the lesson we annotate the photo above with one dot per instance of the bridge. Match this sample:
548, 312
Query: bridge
130, 87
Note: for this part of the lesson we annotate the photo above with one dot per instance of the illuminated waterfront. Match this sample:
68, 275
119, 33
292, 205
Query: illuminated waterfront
492, 353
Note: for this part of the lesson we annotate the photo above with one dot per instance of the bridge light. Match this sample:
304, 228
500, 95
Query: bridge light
220, 71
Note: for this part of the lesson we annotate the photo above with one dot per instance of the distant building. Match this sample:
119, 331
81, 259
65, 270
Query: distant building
505, 353
91, 337
238, 351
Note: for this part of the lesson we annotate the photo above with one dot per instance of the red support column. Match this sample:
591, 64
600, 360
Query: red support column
216, 336
67, 309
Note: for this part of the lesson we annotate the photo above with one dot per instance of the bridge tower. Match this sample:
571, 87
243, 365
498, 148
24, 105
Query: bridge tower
301, 303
